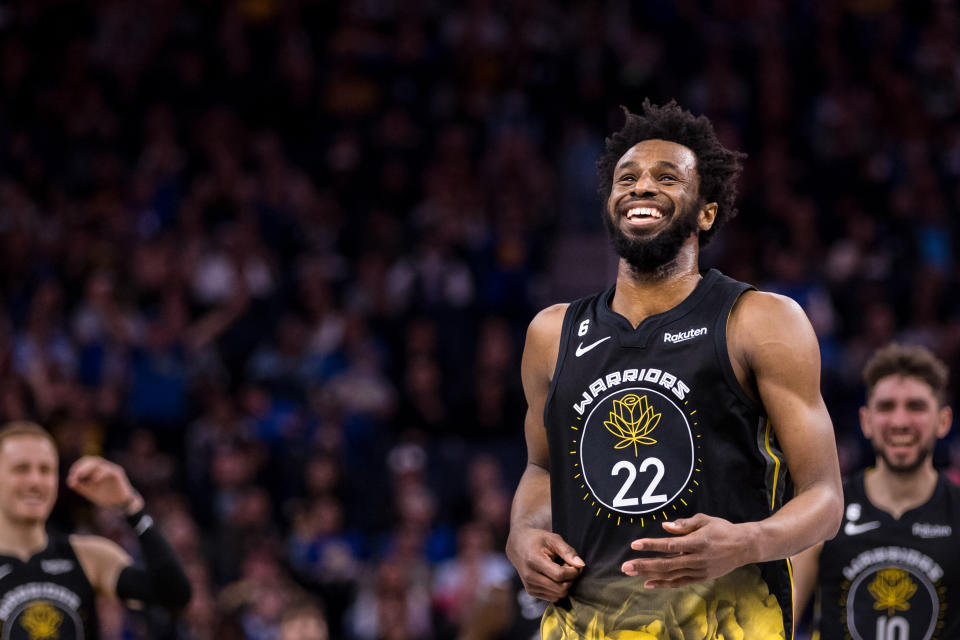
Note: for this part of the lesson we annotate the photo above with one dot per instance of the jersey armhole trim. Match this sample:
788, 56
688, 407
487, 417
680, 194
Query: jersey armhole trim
572, 310
793, 608
723, 354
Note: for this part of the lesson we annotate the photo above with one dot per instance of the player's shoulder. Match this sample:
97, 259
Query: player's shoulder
548, 323
764, 314
542, 345
771, 331
754, 302
552, 314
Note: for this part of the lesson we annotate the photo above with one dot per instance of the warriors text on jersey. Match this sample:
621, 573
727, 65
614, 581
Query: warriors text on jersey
647, 425
48, 597
888, 579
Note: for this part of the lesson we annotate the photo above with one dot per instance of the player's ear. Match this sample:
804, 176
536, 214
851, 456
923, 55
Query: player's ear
707, 215
944, 421
865, 423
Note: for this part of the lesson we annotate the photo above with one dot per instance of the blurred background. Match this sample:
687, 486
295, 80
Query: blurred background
277, 258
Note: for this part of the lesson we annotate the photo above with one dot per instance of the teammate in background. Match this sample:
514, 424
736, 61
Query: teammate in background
48, 581
893, 571
663, 416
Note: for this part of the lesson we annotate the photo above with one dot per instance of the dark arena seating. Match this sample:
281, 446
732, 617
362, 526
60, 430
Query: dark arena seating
277, 258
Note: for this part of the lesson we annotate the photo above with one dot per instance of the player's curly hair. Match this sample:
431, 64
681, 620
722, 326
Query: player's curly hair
907, 360
717, 166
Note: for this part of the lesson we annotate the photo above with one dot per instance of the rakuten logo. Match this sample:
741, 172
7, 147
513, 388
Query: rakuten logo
682, 336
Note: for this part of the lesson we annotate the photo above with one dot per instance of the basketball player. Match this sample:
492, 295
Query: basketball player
893, 571
664, 415
48, 581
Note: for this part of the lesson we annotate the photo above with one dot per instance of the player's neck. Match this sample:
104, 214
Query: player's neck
897, 493
641, 295
21, 540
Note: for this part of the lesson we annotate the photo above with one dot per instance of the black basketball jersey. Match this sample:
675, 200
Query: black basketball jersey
48, 597
647, 425
888, 579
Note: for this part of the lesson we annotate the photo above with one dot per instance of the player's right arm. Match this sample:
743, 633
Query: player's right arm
806, 569
108, 567
102, 561
546, 563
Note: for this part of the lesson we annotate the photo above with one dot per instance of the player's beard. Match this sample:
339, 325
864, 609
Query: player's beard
924, 452
649, 255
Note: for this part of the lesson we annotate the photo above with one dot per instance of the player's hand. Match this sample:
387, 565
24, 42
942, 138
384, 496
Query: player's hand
101, 482
546, 563
704, 547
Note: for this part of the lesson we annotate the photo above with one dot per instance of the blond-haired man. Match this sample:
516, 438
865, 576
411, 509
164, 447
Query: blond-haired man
48, 581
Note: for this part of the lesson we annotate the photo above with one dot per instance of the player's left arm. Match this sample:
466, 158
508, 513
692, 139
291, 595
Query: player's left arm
772, 343
780, 347
108, 567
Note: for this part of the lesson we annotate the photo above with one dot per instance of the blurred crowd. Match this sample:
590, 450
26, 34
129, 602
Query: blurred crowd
277, 257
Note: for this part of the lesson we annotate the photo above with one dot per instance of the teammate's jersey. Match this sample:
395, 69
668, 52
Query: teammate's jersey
48, 597
888, 579
648, 425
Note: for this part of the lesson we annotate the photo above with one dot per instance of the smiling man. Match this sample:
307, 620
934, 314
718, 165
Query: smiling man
48, 581
678, 446
893, 570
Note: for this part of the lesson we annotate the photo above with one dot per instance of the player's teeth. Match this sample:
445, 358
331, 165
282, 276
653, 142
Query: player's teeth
644, 212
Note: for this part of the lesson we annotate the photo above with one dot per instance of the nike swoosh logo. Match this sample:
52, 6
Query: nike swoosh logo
854, 529
583, 349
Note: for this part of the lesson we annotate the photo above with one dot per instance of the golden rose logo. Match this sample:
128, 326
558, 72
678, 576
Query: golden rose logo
632, 420
41, 621
656, 473
891, 589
